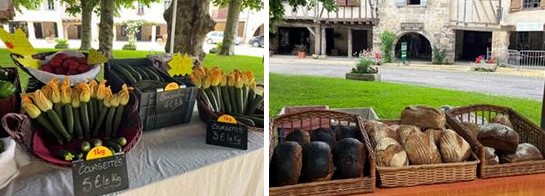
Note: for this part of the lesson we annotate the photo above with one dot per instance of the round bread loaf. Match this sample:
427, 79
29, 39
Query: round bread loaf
453, 147
394, 126
502, 119
370, 125
324, 135
473, 129
390, 153
500, 137
491, 156
317, 162
424, 117
421, 149
404, 131
380, 131
434, 134
344, 131
350, 158
286, 164
299, 136
525, 152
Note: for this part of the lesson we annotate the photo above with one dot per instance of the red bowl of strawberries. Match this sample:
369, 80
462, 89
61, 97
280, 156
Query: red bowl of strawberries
65, 63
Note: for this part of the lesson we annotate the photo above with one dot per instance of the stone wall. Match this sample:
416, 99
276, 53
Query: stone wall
435, 17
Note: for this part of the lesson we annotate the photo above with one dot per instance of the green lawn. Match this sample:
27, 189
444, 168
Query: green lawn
228, 63
387, 99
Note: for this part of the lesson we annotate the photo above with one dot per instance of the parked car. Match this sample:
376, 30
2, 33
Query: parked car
257, 41
217, 36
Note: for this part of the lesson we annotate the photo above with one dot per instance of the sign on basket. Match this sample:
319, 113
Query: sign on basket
100, 176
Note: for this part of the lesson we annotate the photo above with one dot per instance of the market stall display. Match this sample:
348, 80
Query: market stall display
163, 101
506, 142
314, 162
61, 123
420, 149
235, 93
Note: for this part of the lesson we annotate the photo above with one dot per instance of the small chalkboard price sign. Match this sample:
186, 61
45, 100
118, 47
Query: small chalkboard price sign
169, 100
100, 176
227, 134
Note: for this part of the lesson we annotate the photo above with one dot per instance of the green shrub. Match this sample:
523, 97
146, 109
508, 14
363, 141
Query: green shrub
387, 40
219, 46
61, 44
438, 56
129, 47
364, 66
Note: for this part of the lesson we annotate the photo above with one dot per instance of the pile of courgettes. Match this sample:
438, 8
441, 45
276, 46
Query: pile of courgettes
234, 93
87, 111
134, 74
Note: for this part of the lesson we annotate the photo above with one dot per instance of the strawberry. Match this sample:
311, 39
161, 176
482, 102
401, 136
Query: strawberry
47, 68
61, 56
83, 68
70, 64
72, 72
55, 62
60, 70
82, 60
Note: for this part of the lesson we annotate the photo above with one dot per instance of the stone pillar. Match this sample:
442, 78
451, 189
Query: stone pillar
317, 37
31, 33
376, 39
500, 42
60, 30
349, 40
324, 52
153, 32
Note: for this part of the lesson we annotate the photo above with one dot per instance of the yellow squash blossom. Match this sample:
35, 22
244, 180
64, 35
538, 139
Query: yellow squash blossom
25, 98
66, 92
253, 85
101, 90
114, 100
248, 77
230, 80
93, 85
32, 110
238, 82
216, 76
223, 80
196, 80
84, 92
107, 100
41, 101
124, 95
206, 82
75, 100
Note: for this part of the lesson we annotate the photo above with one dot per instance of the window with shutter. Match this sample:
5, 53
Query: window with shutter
515, 5
400, 3
531, 4
413, 2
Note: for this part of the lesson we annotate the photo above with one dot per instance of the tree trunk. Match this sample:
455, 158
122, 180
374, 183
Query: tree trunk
193, 22
106, 26
230, 33
87, 7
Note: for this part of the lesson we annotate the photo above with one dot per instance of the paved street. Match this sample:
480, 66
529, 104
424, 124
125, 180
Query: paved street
490, 83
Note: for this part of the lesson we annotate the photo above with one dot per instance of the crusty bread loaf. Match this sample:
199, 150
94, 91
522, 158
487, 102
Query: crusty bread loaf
434, 134
424, 117
344, 131
317, 162
453, 147
404, 131
525, 152
390, 153
299, 136
286, 164
325, 135
473, 129
370, 124
421, 149
394, 126
502, 119
500, 137
491, 156
350, 158
380, 131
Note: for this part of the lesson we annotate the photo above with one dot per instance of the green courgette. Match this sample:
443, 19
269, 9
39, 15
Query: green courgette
121, 141
114, 145
96, 142
126, 74
66, 155
133, 72
226, 99
57, 124
85, 146
78, 130
85, 119
141, 71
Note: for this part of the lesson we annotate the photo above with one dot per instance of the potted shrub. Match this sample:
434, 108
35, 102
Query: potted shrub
364, 71
301, 50
61, 44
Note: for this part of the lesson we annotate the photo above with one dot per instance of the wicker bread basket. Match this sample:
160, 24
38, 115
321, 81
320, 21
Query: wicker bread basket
363, 184
527, 131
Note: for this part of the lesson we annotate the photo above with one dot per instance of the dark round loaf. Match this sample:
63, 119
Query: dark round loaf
498, 136
350, 158
317, 162
286, 164
343, 132
324, 135
299, 136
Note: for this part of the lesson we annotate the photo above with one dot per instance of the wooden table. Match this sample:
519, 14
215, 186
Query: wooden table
517, 185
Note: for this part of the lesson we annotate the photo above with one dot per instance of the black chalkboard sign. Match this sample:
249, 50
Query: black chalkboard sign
100, 176
226, 134
167, 101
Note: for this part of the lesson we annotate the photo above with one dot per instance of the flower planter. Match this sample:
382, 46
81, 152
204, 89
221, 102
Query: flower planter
301, 55
363, 76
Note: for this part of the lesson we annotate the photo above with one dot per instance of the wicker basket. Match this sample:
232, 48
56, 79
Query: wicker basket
527, 131
33, 140
413, 175
206, 114
364, 184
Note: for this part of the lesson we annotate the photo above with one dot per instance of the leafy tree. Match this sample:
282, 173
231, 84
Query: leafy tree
276, 8
233, 14
27, 4
85, 7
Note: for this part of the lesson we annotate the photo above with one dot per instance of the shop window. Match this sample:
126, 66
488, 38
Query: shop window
50, 5
531, 3
413, 2
140, 8
167, 3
